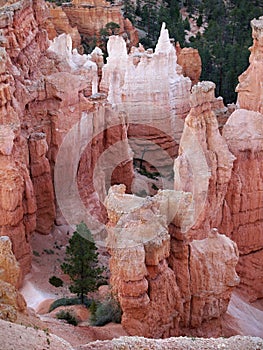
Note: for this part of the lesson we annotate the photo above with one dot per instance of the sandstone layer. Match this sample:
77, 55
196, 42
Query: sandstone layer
16, 336
242, 216
250, 89
11, 301
92, 16
242, 212
153, 265
149, 88
46, 90
58, 23
190, 61
233, 343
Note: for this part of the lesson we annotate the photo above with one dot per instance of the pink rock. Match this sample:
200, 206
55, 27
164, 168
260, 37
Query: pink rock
92, 16
190, 61
42, 182
59, 23
243, 216
250, 90
160, 300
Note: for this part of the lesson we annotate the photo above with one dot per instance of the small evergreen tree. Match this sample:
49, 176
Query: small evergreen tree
81, 262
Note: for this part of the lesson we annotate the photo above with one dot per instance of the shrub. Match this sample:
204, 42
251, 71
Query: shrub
56, 281
199, 21
49, 251
67, 316
68, 302
108, 311
155, 187
81, 262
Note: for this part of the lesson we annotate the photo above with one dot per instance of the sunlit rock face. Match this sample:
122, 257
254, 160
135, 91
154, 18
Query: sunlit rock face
242, 217
92, 16
163, 248
250, 88
11, 301
149, 88
46, 90
190, 61
58, 23
152, 293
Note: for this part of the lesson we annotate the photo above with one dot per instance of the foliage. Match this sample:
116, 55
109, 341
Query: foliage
49, 251
68, 302
68, 316
108, 311
151, 175
56, 281
81, 262
224, 45
111, 28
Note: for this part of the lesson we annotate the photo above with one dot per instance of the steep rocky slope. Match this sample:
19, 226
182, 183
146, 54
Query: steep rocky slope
176, 280
173, 273
44, 93
92, 16
242, 212
58, 23
11, 301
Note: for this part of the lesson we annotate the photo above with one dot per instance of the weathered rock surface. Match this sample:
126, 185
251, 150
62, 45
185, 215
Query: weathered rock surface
149, 292
204, 164
45, 90
190, 61
58, 23
17, 202
10, 270
23, 337
150, 89
11, 300
233, 343
212, 275
42, 182
242, 216
250, 89
92, 16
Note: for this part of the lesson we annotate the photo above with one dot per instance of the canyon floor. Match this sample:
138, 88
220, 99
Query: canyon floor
242, 317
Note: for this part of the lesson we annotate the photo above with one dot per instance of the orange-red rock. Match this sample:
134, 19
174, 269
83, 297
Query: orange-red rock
204, 164
46, 90
59, 23
190, 60
10, 300
242, 216
250, 89
92, 16
150, 292
42, 182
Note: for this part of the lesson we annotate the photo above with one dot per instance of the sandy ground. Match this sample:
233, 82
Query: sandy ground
247, 318
49, 252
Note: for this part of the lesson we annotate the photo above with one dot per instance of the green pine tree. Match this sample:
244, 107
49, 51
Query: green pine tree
81, 262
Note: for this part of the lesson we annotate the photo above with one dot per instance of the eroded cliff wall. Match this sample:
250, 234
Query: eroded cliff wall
178, 279
218, 183
242, 212
45, 91
92, 16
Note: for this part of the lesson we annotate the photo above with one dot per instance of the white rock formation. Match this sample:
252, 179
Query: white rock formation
62, 45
